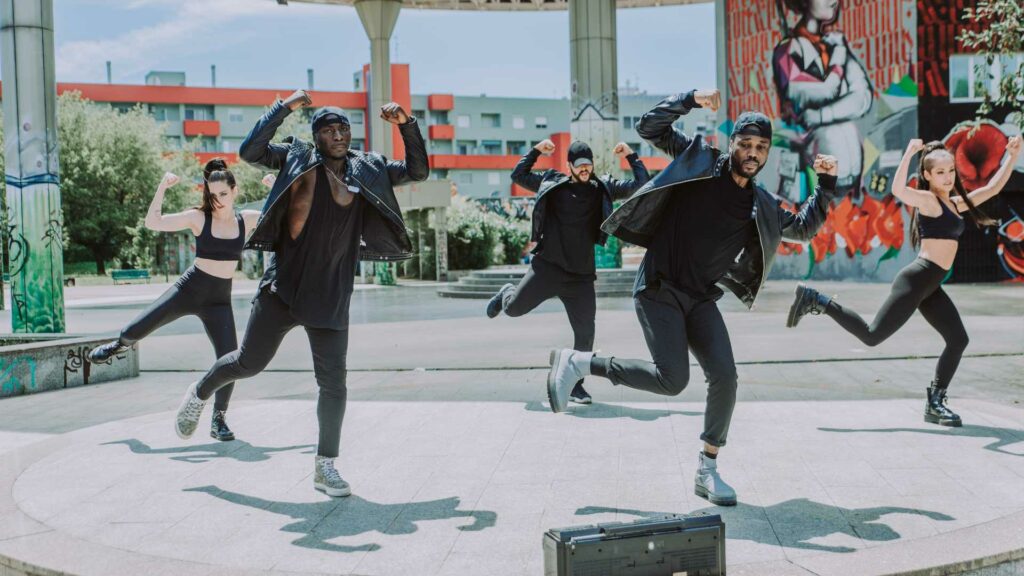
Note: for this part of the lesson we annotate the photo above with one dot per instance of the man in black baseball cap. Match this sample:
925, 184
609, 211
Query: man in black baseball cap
705, 223
566, 225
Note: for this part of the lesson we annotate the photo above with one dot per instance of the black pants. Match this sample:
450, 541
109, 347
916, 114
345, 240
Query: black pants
917, 287
674, 324
545, 280
200, 294
268, 324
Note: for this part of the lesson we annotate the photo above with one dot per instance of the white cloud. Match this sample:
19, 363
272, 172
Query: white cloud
196, 27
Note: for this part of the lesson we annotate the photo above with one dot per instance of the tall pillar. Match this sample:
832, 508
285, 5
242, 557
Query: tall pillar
35, 223
379, 17
595, 82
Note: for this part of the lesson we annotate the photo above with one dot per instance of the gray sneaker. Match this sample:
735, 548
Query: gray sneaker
708, 484
497, 302
327, 480
188, 413
568, 367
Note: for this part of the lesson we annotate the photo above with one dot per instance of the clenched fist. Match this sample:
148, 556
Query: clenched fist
392, 112
622, 150
710, 99
545, 146
824, 164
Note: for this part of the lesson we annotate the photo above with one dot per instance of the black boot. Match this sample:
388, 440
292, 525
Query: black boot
807, 301
219, 427
103, 353
936, 410
579, 395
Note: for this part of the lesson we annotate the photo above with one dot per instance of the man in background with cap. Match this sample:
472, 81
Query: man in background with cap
567, 220
705, 223
329, 208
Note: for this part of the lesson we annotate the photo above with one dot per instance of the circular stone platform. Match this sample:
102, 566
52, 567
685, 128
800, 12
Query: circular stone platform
469, 488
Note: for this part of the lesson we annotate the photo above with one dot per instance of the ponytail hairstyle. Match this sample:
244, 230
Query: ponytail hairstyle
216, 170
931, 152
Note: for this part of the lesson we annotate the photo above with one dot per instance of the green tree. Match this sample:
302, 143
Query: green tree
997, 32
109, 163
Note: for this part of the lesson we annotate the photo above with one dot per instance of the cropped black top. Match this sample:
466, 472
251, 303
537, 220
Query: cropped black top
224, 249
945, 226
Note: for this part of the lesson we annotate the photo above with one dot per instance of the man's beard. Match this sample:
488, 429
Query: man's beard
736, 165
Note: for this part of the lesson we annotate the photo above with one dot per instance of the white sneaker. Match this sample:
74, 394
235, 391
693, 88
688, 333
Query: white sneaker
189, 411
327, 480
708, 484
568, 367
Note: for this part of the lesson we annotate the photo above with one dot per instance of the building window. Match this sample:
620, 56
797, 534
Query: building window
357, 144
630, 122
965, 85
420, 116
164, 113
198, 113
466, 147
235, 115
515, 148
540, 122
518, 122
463, 121
227, 146
491, 120
491, 146
439, 117
356, 117
465, 178
493, 178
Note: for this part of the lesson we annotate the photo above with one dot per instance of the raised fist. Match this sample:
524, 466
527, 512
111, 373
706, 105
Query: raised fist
545, 146
710, 99
393, 113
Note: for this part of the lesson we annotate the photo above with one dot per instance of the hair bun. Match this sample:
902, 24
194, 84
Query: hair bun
215, 165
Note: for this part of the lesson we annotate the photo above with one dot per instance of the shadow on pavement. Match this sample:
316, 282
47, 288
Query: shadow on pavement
1002, 436
236, 449
599, 410
793, 523
320, 522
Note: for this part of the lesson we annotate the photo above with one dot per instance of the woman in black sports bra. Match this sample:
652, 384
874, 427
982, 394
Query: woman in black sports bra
204, 290
936, 226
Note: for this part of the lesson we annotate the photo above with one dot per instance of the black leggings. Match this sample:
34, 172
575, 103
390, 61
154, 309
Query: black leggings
196, 293
269, 323
916, 287
545, 280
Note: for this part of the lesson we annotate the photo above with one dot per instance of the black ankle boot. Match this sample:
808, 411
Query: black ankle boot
936, 410
807, 301
105, 352
219, 427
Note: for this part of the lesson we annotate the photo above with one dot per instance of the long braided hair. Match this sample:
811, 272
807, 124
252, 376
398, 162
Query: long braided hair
931, 152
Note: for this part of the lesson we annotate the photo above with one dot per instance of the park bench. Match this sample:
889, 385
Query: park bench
126, 275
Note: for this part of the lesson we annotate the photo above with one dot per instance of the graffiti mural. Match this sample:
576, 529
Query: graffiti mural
837, 77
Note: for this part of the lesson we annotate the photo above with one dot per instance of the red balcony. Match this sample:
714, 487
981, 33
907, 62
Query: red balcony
484, 162
650, 162
229, 157
441, 102
201, 128
442, 132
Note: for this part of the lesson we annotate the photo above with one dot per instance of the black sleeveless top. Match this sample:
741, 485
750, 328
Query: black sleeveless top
223, 249
946, 226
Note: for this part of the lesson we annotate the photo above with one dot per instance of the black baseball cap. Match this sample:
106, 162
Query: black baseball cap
580, 154
752, 124
328, 115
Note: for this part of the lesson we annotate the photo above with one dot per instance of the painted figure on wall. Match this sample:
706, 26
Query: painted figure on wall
822, 89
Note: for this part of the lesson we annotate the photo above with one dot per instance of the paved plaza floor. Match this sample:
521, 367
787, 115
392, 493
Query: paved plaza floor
458, 466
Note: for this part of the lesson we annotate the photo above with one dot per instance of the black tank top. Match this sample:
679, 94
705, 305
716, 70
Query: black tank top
945, 226
223, 249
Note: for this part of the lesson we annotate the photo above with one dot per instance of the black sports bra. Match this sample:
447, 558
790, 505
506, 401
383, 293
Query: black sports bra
945, 226
223, 249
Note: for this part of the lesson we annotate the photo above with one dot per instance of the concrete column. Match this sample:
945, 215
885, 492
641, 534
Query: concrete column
721, 72
35, 223
441, 242
595, 82
379, 17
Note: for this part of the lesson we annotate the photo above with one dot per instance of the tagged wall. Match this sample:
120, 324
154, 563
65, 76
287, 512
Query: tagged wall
838, 78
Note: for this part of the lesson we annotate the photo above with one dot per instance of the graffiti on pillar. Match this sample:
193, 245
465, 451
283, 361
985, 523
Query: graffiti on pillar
836, 77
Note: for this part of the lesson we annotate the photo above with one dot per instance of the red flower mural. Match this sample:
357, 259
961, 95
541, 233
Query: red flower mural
977, 155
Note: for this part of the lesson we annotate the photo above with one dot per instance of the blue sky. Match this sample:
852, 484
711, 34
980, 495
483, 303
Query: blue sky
256, 43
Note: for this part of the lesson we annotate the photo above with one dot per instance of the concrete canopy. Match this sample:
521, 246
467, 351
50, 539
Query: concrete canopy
503, 5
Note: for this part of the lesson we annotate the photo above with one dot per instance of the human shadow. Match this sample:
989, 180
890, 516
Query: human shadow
605, 411
1002, 436
236, 450
794, 522
320, 522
